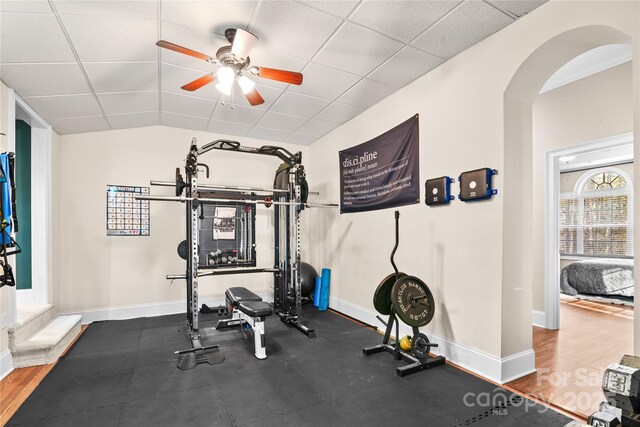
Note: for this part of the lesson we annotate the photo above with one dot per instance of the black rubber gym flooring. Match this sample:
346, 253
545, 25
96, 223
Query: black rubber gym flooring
124, 373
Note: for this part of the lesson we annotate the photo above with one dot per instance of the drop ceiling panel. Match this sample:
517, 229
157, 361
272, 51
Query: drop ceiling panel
199, 41
279, 121
270, 134
325, 82
209, 16
518, 7
229, 128
131, 8
405, 66
293, 28
130, 76
339, 113
174, 77
237, 114
36, 6
75, 60
180, 121
341, 8
134, 120
357, 50
367, 93
299, 105
316, 127
79, 124
298, 138
187, 105
33, 38
55, 107
128, 102
403, 20
44, 79
468, 24
112, 38
268, 93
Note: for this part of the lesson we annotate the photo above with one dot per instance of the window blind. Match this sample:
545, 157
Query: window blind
599, 226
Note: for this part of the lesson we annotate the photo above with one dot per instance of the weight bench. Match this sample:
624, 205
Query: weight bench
247, 311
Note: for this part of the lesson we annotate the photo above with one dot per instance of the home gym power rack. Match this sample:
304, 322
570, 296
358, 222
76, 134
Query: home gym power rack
288, 203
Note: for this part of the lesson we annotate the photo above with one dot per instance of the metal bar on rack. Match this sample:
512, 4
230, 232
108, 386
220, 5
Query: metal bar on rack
222, 272
245, 201
223, 187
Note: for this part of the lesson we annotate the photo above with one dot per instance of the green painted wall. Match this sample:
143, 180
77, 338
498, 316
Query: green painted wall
23, 203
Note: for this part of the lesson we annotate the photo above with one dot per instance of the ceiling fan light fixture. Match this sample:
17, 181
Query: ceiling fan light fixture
226, 76
246, 84
225, 89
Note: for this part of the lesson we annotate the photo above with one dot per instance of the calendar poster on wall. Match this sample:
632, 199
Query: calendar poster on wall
127, 216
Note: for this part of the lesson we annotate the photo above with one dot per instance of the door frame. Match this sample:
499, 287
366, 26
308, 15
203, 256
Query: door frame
552, 212
41, 178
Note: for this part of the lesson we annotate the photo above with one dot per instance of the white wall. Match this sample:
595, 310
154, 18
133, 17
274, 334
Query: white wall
96, 272
457, 250
592, 108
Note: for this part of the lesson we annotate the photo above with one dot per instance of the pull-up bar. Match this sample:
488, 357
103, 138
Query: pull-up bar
224, 272
222, 187
183, 199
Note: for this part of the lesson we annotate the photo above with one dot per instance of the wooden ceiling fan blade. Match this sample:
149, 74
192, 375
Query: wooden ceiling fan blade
243, 43
181, 49
280, 75
254, 98
198, 83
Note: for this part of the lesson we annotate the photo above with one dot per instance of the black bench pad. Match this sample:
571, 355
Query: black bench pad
256, 308
239, 294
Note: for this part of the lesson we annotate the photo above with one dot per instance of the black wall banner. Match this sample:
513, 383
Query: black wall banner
383, 172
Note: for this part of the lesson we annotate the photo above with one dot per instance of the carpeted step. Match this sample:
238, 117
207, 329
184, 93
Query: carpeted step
46, 345
30, 319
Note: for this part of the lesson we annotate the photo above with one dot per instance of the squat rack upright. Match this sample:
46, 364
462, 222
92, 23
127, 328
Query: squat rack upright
287, 202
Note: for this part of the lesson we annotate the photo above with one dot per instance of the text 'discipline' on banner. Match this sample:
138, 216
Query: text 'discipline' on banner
383, 172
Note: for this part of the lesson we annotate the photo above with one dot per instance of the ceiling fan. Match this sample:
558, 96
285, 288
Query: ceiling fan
234, 59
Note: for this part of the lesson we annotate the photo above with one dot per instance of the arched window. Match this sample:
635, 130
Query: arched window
596, 218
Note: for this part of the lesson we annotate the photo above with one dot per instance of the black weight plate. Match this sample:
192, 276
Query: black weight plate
420, 346
304, 191
412, 301
382, 295
183, 249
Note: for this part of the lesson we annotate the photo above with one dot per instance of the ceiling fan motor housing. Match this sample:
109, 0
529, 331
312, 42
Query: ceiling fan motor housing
225, 57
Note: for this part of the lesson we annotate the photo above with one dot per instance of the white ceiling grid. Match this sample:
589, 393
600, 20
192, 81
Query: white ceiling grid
93, 65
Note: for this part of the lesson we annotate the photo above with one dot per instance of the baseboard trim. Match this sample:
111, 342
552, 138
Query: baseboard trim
148, 310
539, 319
6, 364
485, 365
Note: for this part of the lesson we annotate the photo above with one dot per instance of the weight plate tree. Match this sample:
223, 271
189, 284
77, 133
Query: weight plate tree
382, 295
412, 301
409, 299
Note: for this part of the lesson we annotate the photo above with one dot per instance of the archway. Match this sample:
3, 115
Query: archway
519, 96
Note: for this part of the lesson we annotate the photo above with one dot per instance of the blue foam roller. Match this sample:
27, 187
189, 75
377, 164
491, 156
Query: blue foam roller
324, 293
316, 293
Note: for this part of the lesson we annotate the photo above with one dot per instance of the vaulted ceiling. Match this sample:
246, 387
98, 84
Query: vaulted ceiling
93, 65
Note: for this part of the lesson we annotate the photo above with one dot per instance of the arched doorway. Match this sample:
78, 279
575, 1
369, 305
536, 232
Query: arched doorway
519, 254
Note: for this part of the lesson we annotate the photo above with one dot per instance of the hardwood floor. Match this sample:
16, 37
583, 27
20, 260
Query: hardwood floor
19, 384
571, 361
